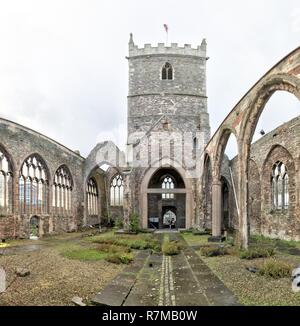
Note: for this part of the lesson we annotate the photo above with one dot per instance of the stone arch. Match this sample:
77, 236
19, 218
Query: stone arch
7, 181
244, 117
30, 201
35, 227
98, 178
220, 147
115, 190
279, 82
143, 193
40, 157
279, 223
62, 187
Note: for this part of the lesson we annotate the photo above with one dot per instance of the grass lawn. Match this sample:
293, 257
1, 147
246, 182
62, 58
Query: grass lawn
139, 241
252, 288
67, 265
54, 278
194, 240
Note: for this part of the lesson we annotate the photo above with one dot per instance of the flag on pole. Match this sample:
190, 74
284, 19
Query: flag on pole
166, 27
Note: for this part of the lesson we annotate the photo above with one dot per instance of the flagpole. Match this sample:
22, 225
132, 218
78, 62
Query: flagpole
166, 27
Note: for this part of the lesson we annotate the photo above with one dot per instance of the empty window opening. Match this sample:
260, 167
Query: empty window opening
33, 186
92, 197
168, 184
116, 191
167, 72
280, 186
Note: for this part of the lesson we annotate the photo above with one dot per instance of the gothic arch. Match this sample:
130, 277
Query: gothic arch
62, 188
279, 82
243, 119
143, 193
219, 152
7, 177
272, 215
34, 185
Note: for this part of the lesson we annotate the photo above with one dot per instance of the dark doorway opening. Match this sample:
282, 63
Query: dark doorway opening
169, 217
225, 204
166, 200
34, 227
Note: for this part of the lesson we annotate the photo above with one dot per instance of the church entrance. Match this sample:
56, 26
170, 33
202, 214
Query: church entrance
169, 217
166, 197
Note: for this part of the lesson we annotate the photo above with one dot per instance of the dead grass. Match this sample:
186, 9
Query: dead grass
251, 288
54, 279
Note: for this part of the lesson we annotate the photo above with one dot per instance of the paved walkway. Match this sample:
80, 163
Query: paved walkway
159, 280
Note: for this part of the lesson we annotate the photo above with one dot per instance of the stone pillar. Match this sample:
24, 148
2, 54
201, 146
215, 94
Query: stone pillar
127, 202
216, 211
243, 236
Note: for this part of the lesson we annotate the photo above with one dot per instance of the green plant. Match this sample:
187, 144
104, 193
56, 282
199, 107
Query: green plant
134, 223
85, 254
119, 224
213, 251
275, 268
170, 248
119, 258
139, 241
257, 252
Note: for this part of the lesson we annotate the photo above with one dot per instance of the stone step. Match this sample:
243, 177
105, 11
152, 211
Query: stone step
115, 293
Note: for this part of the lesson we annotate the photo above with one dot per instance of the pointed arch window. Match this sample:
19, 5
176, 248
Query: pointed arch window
6, 176
62, 191
280, 186
116, 191
167, 72
168, 184
34, 186
92, 197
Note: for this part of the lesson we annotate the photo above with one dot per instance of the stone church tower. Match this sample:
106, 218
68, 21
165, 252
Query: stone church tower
168, 127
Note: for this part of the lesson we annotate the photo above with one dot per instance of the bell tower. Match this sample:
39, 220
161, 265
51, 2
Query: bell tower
167, 89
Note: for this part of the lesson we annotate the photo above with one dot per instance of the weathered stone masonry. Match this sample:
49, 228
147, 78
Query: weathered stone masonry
163, 109
20, 142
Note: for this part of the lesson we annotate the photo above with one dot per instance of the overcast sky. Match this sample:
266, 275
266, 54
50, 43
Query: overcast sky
63, 70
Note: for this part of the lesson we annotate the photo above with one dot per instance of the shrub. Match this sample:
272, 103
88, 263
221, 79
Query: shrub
257, 252
275, 268
119, 224
134, 223
119, 258
213, 251
110, 248
170, 248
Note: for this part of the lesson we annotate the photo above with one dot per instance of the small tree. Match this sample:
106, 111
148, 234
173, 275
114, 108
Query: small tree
119, 223
134, 222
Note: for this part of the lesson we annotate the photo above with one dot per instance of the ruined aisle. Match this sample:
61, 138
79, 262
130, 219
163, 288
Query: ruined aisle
159, 280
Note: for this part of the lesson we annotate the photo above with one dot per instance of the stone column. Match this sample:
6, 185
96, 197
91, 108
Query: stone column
216, 211
127, 202
243, 236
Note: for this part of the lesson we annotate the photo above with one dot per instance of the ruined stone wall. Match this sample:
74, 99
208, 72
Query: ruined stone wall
281, 144
20, 142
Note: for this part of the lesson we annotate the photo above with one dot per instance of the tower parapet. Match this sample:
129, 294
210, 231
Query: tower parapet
172, 49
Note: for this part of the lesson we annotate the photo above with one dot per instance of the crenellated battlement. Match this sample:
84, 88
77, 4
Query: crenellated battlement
162, 48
